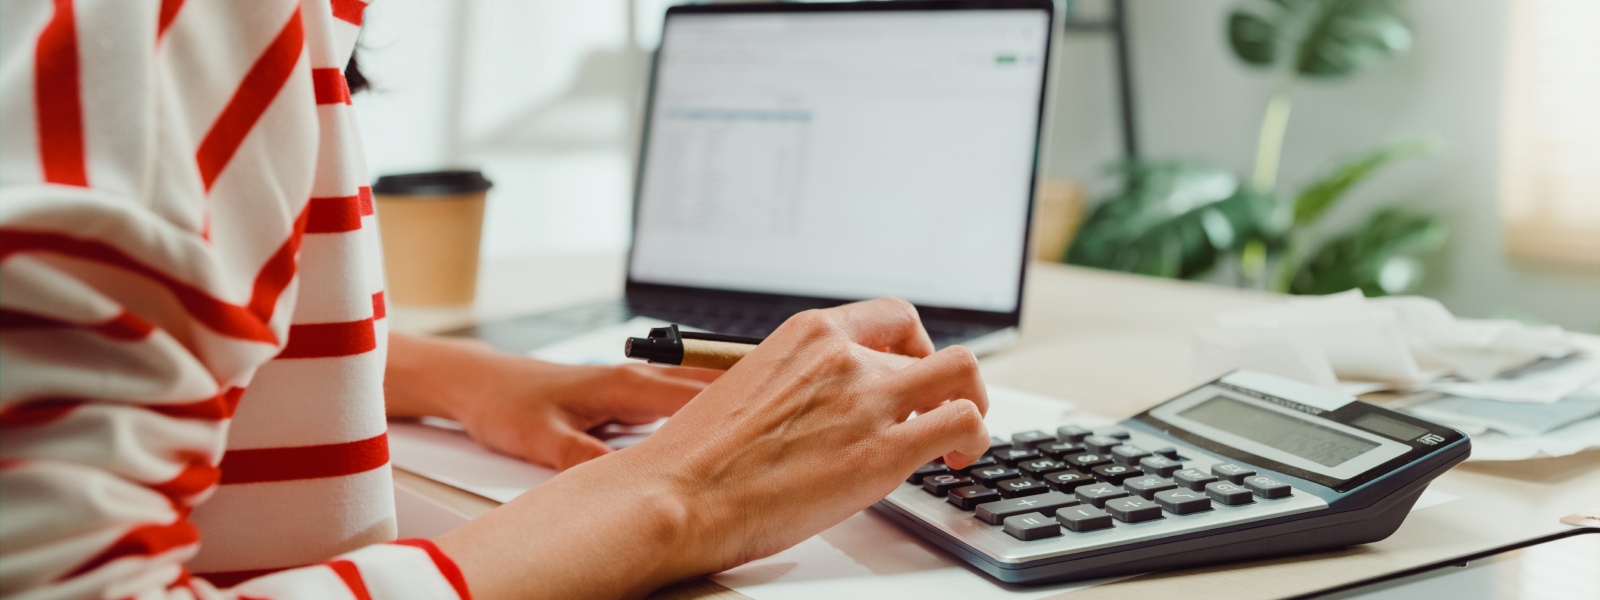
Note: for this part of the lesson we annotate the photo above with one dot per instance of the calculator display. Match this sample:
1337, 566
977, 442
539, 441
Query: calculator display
1311, 441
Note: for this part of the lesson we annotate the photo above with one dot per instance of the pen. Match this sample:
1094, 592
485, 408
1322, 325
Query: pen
669, 346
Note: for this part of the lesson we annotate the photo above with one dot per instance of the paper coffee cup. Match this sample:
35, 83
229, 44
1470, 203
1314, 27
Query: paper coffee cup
431, 224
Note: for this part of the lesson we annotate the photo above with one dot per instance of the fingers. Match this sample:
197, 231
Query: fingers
954, 430
640, 393
949, 374
889, 323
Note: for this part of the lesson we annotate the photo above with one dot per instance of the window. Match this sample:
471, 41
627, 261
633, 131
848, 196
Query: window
1550, 194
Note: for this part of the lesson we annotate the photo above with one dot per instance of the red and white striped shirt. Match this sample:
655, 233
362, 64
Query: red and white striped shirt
192, 325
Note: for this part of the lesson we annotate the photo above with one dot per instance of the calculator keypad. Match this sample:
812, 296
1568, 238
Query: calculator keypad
1051, 495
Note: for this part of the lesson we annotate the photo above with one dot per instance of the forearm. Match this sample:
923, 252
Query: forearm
614, 527
424, 375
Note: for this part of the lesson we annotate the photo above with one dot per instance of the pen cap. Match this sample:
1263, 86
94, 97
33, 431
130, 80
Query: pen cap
654, 349
432, 226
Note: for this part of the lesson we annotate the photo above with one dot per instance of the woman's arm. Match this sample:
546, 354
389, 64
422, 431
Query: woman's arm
805, 431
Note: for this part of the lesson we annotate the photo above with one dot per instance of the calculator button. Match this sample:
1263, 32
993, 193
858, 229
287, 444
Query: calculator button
1133, 510
1087, 460
1115, 473
1159, 465
998, 445
1017, 488
1011, 457
1194, 479
969, 497
1231, 494
1101, 443
1232, 472
939, 484
1128, 455
1072, 433
1117, 433
1147, 486
933, 468
1031, 439
1267, 487
1168, 452
1099, 493
1067, 481
995, 512
1040, 468
1182, 501
983, 462
1032, 526
1061, 450
1083, 518
992, 475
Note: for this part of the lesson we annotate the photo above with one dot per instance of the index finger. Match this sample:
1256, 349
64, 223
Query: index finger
884, 323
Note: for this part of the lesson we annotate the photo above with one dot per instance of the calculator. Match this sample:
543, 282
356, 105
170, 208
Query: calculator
1250, 465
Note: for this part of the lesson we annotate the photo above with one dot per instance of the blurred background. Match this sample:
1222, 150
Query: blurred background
1449, 148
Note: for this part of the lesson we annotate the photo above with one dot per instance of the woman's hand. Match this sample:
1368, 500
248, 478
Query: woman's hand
808, 429
535, 410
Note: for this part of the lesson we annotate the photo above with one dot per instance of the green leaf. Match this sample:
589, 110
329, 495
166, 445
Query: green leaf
1347, 36
1315, 200
1170, 219
1356, 258
1254, 38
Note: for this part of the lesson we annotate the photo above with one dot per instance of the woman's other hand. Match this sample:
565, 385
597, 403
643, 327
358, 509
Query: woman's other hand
538, 411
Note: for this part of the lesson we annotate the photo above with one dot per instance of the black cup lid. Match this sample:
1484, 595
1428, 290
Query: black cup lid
435, 183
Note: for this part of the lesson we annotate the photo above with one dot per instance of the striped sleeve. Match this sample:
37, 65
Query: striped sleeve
170, 221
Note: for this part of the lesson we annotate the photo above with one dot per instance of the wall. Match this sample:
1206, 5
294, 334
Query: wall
1196, 101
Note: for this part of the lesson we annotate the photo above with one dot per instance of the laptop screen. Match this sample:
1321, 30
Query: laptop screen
844, 155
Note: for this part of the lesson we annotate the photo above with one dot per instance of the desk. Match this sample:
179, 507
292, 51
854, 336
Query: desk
1116, 344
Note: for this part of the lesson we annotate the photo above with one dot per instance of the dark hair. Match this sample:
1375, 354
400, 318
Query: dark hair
353, 76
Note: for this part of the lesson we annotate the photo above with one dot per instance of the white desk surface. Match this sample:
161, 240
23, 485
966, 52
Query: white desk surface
1116, 344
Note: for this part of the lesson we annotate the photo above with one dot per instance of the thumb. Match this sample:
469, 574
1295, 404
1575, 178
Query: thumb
573, 448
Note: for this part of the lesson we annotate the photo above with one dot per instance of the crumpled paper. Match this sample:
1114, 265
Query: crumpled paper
1397, 342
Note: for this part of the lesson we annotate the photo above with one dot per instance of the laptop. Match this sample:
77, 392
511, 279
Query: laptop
799, 156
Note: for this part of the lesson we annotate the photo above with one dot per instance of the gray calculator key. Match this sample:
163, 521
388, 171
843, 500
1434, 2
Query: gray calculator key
1067, 481
1232, 472
1041, 467
969, 497
1146, 486
1017, 488
1128, 454
1117, 433
995, 512
939, 484
1099, 493
1167, 452
1192, 478
1101, 444
1087, 460
992, 475
1133, 510
1072, 433
1013, 456
1267, 487
1083, 518
983, 462
1182, 502
998, 444
1032, 526
1115, 474
933, 468
1159, 465
1231, 494
1061, 450
1031, 439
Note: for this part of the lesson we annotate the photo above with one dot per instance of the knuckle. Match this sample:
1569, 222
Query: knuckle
962, 359
902, 307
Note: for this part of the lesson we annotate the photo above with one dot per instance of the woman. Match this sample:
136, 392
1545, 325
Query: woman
195, 369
